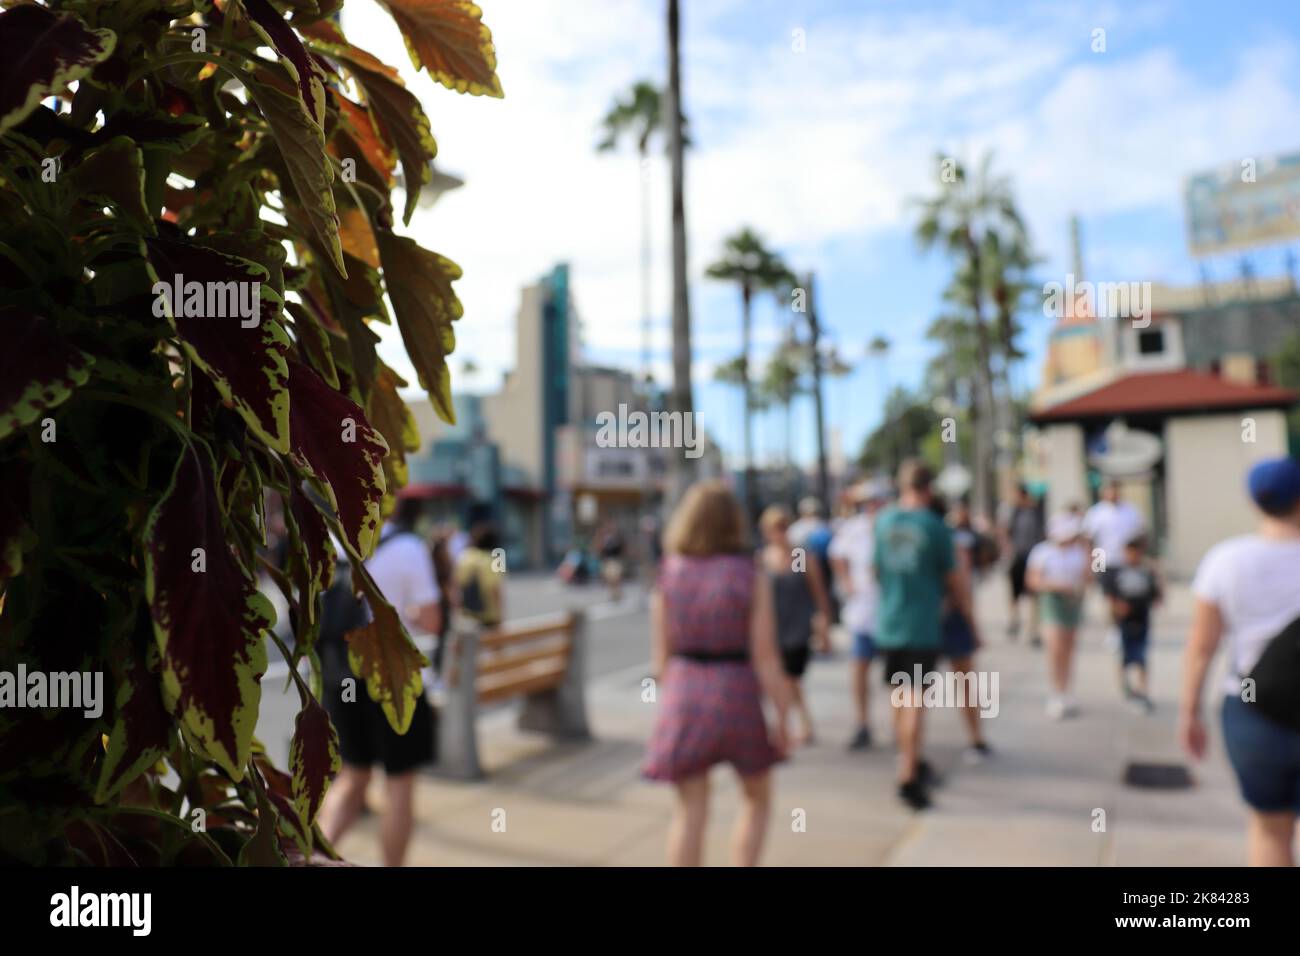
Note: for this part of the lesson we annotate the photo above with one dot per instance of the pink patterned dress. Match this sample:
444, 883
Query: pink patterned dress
709, 701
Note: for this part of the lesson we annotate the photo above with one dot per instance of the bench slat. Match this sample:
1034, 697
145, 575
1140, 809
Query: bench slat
496, 663
508, 684
491, 640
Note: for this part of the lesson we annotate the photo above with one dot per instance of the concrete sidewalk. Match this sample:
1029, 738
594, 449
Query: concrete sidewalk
1032, 804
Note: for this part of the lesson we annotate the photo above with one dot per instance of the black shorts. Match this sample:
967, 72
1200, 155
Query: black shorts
795, 659
1017, 571
366, 738
904, 660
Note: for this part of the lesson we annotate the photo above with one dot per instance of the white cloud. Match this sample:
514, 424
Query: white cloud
810, 148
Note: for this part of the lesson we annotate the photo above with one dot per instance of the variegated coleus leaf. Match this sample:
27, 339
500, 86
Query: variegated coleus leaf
16, 533
38, 368
400, 117
263, 848
279, 791
302, 144
313, 758
40, 54
208, 616
302, 68
245, 361
115, 173
425, 306
395, 422
143, 731
449, 39
384, 656
331, 440
362, 130
311, 560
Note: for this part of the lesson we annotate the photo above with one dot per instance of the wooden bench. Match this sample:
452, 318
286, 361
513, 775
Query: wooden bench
541, 660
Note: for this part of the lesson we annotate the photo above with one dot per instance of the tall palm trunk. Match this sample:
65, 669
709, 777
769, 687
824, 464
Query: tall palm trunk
751, 493
814, 337
982, 414
682, 399
645, 270
681, 394
1006, 423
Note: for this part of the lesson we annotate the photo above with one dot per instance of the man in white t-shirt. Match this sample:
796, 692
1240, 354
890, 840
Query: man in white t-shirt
1247, 590
402, 568
1111, 524
850, 553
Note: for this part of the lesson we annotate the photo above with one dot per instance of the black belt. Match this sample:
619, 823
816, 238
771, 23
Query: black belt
703, 657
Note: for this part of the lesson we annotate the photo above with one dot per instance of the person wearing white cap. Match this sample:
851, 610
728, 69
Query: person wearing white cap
850, 553
1057, 572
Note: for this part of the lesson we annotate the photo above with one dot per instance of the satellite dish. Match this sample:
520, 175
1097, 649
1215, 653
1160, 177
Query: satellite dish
1123, 451
954, 481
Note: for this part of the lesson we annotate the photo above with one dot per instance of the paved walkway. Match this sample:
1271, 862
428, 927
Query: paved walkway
1034, 803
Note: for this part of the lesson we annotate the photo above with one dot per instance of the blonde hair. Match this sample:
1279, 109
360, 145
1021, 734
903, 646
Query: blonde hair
773, 517
708, 521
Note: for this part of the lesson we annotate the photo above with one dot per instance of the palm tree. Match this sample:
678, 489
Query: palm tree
780, 384
957, 219
1004, 281
639, 116
681, 306
754, 268
1006, 275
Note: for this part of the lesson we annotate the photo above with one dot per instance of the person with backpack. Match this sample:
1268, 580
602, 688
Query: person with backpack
959, 634
478, 576
402, 569
916, 570
1247, 595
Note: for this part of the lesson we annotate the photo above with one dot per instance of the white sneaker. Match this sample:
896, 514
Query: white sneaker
1056, 707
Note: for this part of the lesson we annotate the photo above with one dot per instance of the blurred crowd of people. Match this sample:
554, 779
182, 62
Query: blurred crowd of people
738, 613
735, 623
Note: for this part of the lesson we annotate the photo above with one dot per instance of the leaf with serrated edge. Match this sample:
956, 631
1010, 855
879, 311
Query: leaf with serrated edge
313, 758
38, 369
40, 54
383, 655
449, 39
302, 144
209, 624
350, 471
425, 306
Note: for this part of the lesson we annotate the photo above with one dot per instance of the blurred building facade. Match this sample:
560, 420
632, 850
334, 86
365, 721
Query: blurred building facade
529, 452
1176, 408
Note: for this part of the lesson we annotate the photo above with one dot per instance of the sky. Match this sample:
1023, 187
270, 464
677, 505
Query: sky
816, 123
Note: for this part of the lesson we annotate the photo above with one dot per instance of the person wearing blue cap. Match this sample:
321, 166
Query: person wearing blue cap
1247, 593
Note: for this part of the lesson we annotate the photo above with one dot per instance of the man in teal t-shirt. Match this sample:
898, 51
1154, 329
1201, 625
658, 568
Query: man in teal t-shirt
916, 569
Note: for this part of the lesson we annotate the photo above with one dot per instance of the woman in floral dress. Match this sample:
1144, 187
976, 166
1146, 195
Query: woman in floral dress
715, 658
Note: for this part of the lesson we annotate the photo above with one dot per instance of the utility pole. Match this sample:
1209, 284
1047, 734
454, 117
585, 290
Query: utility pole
814, 336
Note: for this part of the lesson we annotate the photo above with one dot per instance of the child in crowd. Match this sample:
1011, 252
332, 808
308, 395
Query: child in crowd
1133, 590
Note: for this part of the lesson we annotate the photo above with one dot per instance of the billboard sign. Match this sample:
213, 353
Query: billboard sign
1245, 204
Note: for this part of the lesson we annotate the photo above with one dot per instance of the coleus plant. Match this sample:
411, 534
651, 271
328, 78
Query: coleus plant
196, 240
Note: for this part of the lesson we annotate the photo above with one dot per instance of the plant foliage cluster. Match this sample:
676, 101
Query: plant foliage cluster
228, 143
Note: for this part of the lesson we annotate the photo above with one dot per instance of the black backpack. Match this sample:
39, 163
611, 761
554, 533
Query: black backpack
341, 612
1277, 678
